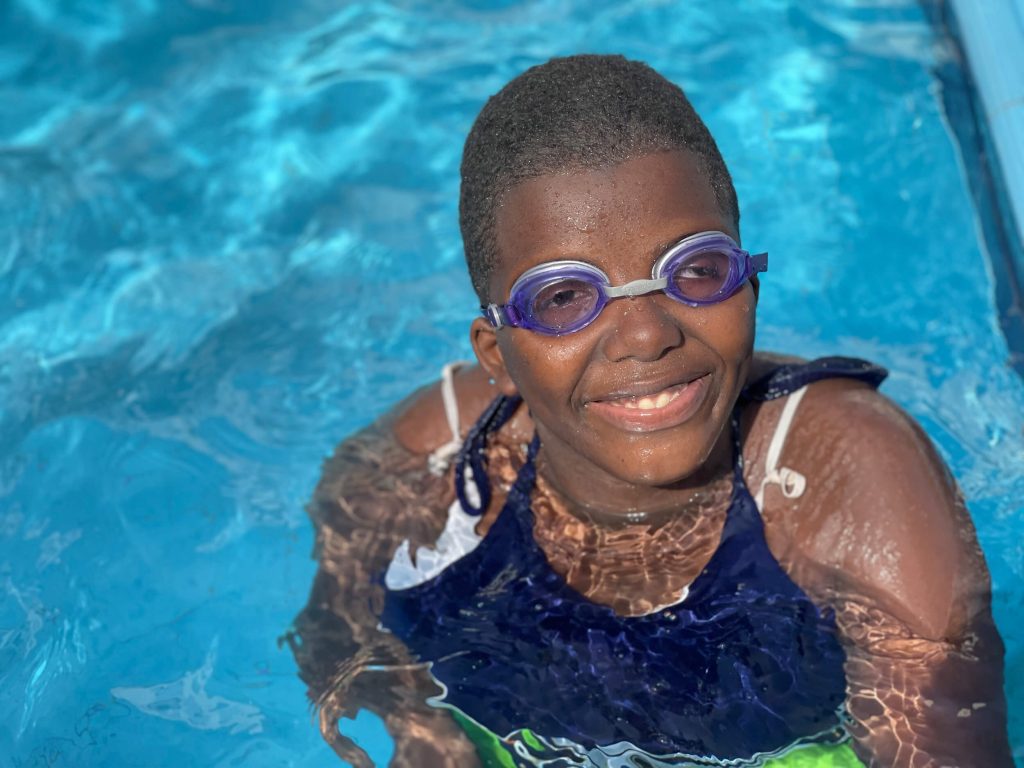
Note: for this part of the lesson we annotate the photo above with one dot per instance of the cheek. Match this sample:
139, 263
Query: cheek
729, 328
544, 366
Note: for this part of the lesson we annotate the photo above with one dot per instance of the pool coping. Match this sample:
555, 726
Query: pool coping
990, 37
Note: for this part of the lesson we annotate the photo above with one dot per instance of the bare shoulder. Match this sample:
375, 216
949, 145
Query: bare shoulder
420, 423
377, 488
881, 513
378, 479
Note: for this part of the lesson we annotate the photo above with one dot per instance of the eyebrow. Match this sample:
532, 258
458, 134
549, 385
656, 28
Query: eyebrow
660, 248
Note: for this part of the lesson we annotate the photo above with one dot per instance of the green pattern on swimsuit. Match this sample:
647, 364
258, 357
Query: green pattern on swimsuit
493, 753
488, 746
818, 756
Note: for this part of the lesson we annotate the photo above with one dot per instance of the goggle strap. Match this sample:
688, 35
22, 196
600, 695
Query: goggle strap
759, 262
495, 315
500, 315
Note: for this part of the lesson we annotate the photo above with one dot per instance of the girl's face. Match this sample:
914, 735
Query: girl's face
642, 396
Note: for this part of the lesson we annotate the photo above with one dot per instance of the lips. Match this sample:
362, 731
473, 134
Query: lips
651, 408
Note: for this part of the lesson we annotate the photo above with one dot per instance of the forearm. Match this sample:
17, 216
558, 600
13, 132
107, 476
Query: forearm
429, 737
421, 735
349, 668
916, 702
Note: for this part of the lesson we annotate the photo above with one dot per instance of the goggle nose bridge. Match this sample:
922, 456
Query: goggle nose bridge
636, 288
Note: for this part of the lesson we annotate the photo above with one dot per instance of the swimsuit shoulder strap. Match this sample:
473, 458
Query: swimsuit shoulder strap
791, 381
791, 482
441, 458
790, 377
472, 486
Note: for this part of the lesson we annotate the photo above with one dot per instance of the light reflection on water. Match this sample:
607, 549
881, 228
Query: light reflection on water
231, 239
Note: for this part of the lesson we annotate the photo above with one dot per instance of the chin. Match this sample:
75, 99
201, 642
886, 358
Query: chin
656, 471
662, 478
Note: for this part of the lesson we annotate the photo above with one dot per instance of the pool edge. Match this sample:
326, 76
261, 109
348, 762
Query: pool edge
989, 38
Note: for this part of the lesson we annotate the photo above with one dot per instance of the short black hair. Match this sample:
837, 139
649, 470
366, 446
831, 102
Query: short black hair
580, 112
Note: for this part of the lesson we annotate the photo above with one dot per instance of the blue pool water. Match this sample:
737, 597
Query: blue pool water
230, 239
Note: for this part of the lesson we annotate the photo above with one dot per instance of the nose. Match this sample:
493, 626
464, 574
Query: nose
641, 329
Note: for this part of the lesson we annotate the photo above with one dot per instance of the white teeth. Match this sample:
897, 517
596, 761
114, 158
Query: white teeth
651, 402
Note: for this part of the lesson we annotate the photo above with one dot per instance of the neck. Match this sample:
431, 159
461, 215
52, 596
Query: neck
604, 500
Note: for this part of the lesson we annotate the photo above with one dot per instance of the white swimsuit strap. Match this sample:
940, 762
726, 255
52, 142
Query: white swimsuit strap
451, 406
439, 461
790, 481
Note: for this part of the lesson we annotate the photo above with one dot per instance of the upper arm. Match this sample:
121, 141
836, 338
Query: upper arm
376, 490
887, 543
882, 513
373, 494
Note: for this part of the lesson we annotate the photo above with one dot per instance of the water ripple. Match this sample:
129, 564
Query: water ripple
186, 700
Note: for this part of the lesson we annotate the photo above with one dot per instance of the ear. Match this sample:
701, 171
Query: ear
755, 283
484, 338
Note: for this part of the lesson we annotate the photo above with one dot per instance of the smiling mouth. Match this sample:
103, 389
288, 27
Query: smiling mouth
669, 407
654, 402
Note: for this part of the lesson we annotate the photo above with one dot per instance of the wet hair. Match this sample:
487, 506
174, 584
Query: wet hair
584, 112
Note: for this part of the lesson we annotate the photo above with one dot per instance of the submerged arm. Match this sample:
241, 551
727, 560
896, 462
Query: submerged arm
919, 701
374, 494
893, 552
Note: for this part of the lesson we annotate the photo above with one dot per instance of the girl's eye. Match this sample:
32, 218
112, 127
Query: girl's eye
701, 276
561, 304
562, 298
698, 272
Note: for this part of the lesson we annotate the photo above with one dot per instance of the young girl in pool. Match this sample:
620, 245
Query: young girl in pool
623, 537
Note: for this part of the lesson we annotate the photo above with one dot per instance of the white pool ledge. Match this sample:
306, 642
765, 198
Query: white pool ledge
992, 34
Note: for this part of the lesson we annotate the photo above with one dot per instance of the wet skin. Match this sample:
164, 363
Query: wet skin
881, 535
602, 458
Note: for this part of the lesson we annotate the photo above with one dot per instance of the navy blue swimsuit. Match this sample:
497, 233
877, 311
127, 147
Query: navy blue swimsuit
744, 665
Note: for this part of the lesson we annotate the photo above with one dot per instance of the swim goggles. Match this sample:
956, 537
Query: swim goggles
561, 297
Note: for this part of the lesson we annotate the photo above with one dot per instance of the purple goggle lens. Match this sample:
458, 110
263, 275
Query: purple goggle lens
563, 297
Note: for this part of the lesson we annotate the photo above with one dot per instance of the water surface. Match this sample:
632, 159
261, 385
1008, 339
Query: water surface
231, 239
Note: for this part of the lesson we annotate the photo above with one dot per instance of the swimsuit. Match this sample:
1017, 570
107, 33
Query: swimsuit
742, 669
